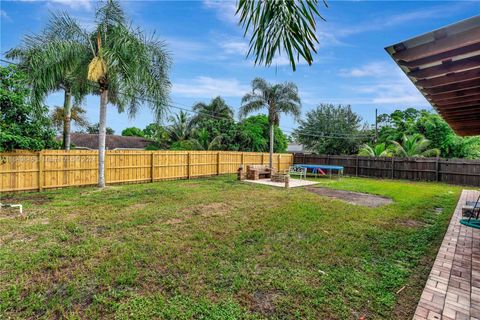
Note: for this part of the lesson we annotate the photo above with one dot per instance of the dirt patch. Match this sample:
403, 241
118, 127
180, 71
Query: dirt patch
37, 199
411, 223
173, 221
137, 206
356, 198
261, 302
208, 210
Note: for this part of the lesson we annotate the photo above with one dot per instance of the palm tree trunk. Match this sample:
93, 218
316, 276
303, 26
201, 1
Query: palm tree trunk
102, 134
67, 110
271, 144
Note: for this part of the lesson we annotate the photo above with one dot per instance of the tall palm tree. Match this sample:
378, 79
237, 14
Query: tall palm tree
277, 98
278, 26
48, 72
77, 115
127, 67
217, 108
378, 150
415, 146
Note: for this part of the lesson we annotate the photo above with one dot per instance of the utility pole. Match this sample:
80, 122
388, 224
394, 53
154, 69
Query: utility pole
376, 125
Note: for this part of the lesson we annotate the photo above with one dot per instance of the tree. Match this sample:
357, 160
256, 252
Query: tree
415, 146
280, 26
95, 129
330, 129
378, 150
132, 132
181, 127
254, 135
216, 109
158, 135
52, 62
22, 125
127, 67
278, 98
77, 114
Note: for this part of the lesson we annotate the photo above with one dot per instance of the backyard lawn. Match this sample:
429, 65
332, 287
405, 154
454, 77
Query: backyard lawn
216, 248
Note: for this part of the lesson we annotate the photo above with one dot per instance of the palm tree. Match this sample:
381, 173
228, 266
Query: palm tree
203, 142
48, 72
277, 98
217, 108
77, 115
280, 26
127, 67
181, 127
415, 146
378, 150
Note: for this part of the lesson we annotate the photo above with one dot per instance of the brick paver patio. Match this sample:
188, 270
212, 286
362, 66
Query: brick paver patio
453, 287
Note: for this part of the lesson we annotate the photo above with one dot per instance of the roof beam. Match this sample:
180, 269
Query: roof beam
447, 67
440, 56
453, 95
452, 113
449, 78
447, 103
449, 43
453, 87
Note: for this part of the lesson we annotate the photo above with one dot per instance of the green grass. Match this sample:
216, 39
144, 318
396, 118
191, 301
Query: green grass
220, 249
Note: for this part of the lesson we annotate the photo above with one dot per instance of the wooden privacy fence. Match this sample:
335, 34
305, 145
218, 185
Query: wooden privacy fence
453, 171
22, 170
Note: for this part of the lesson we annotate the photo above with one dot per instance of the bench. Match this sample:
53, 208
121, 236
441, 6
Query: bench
256, 171
298, 171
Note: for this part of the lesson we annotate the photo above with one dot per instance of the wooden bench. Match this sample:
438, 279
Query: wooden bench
256, 171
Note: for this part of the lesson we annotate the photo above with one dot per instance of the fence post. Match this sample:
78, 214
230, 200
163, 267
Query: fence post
437, 167
279, 162
152, 168
393, 167
356, 166
188, 165
40, 170
328, 159
243, 159
218, 163
304, 159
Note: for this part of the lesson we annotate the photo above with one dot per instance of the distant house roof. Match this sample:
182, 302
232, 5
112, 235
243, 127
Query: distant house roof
296, 148
445, 66
90, 141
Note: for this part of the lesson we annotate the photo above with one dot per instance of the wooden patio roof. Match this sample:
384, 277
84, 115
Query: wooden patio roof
445, 66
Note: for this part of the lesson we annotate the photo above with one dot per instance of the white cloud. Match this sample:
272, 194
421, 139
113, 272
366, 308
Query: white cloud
225, 9
372, 69
207, 87
234, 47
73, 4
4, 16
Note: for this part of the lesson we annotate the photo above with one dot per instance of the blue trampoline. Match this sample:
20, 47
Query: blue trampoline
322, 169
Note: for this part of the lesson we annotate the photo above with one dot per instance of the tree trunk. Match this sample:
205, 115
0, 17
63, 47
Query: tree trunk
271, 144
67, 110
102, 134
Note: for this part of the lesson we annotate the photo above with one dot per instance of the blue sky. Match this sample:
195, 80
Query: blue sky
208, 51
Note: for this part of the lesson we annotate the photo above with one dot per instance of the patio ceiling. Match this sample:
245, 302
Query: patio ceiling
445, 66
